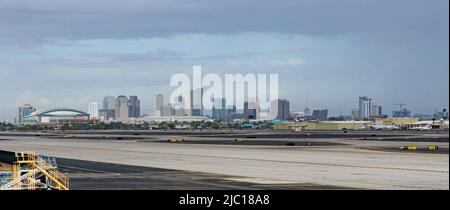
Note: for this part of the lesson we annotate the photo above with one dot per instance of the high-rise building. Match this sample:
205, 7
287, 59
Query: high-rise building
355, 114
106, 114
197, 102
108, 111
134, 107
24, 111
365, 107
166, 110
377, 111
252, 109
279, 109
122, 108
109, 102
219, 111
257, 107
249, 111
158, 103
202, 108
93, 111
191, 103
320, 114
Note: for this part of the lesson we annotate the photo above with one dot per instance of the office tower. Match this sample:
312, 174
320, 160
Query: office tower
201, 102
197, 112
219, 111
93, 111
279, 109
249, 111
24, 111
197, 102
106, 114
166, 110
320, 114
158, 103
257, 107
108, 111
122, 108
191, 103
134, 107
252, 109
377, 111
365, 107
109, 103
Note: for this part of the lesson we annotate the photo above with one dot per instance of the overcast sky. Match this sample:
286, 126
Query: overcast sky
57, 53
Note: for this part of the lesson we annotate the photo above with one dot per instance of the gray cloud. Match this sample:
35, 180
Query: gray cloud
394, 51
30, 22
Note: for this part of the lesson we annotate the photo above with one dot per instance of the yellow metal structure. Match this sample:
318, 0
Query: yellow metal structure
28, 164
432, 148
176, 140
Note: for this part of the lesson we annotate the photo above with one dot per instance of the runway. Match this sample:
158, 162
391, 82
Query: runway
348, 163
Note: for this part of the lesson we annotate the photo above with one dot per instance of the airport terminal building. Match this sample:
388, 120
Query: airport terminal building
56, 116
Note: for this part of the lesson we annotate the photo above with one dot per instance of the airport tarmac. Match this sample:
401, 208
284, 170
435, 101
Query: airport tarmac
346, 163
88, 175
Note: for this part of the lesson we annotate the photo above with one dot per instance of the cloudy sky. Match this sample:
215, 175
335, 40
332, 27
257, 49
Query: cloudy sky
70, 53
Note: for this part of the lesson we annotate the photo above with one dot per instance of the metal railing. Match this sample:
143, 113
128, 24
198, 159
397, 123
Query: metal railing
34, 167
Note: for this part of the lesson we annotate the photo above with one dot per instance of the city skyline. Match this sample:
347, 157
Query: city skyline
123, 109
385, 53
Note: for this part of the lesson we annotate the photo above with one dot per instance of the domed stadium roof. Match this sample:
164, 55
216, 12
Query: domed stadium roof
60, 112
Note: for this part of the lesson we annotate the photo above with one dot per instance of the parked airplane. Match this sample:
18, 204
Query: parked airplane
427, 127
384, 127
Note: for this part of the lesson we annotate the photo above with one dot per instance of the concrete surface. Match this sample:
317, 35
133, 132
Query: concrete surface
352, 165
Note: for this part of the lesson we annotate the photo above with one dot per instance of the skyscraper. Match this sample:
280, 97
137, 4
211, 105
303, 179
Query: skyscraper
93, 111
109, 108
377, 111
109, 103
279, 109
219, 111
191, 102
134, 107
122, 108
252, 109
197, 102
365, 107
24, 111
158, 103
